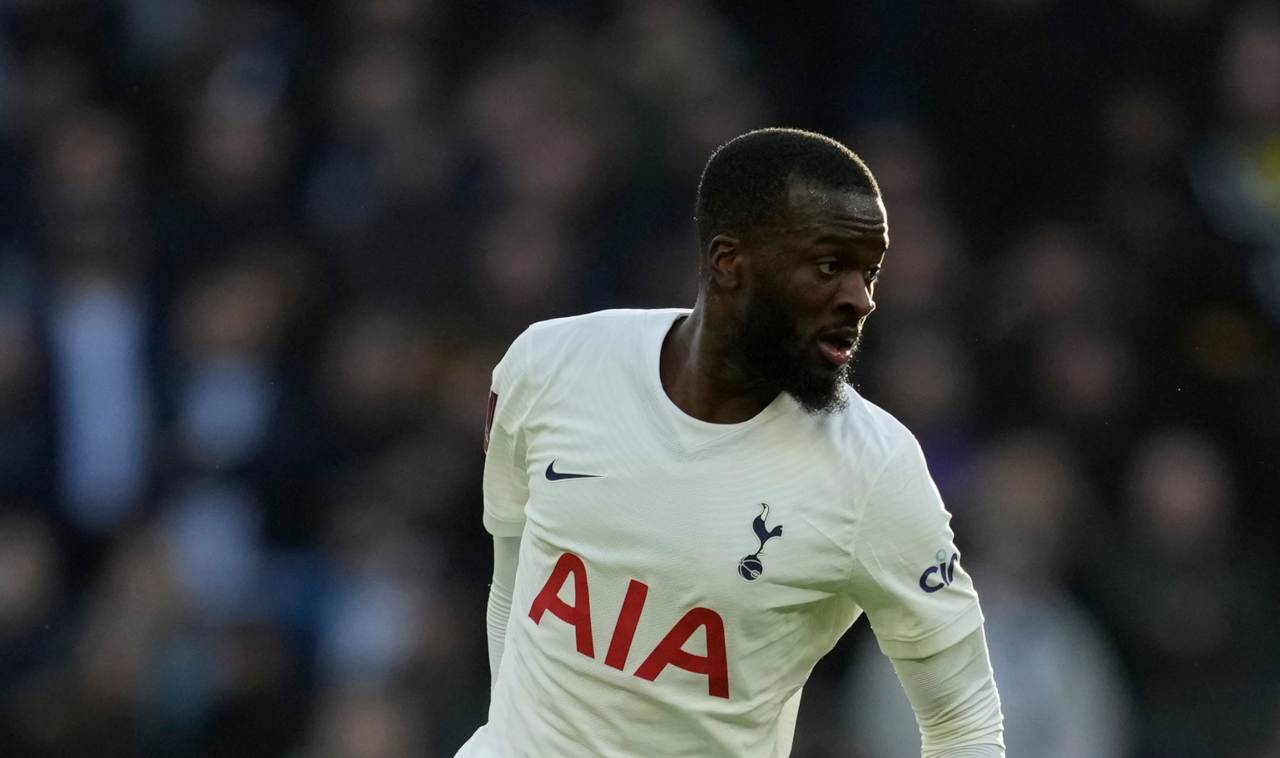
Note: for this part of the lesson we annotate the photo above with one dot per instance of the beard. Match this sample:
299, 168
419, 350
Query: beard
775, 357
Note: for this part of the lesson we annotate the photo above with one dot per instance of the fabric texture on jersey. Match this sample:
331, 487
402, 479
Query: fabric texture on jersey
678, 539
954, 698
506, 557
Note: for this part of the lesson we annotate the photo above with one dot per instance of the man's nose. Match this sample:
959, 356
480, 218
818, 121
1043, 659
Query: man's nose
855, 295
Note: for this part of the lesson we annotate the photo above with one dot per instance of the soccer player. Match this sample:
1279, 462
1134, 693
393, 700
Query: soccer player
690, 507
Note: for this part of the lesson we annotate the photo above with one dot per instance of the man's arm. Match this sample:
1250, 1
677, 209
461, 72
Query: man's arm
506, 559
953, 694
908, 577
505, 488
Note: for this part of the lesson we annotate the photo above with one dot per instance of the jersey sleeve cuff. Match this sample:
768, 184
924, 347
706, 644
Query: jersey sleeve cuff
503, 527
936, 640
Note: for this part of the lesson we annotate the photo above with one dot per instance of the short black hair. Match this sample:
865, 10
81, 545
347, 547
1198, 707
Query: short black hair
744, 184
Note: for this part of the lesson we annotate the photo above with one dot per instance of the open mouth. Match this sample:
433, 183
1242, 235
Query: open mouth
837, 345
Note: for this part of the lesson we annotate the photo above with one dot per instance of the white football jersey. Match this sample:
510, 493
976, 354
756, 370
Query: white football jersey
678, 579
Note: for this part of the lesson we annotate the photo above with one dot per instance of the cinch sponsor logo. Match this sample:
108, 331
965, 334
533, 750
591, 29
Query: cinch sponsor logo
935, 578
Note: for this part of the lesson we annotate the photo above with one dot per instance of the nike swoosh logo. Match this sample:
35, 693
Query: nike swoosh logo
555, 476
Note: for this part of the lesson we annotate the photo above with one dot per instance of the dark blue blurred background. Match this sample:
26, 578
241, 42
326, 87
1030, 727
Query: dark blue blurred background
257, 259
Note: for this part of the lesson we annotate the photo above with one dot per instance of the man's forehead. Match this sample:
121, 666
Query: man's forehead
805, 196
811, 207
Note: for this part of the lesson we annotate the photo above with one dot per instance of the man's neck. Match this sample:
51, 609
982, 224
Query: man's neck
700, 374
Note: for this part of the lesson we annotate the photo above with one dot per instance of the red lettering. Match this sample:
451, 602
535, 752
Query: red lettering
578, 614
671, 651
625, 630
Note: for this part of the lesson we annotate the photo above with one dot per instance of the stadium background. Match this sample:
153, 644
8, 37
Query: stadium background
258, 257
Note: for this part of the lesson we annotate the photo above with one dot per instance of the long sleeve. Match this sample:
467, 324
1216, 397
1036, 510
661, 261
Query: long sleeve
953, 694
506, 490
506, 559
907, 573
506, 483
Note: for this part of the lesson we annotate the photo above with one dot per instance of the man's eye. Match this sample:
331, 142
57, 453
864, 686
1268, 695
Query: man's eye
873, 273
829, 268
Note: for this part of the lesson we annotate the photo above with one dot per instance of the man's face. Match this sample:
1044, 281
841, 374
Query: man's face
810, 292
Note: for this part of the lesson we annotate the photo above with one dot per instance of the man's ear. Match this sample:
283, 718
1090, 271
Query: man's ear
727, 262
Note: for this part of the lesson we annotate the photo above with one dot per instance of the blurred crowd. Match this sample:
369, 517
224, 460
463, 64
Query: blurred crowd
258, 258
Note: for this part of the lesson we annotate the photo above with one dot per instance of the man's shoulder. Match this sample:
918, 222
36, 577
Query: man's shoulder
573, 345
867, 432
595, 323
588, 332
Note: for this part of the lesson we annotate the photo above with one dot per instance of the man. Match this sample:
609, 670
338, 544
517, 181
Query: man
689, 508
